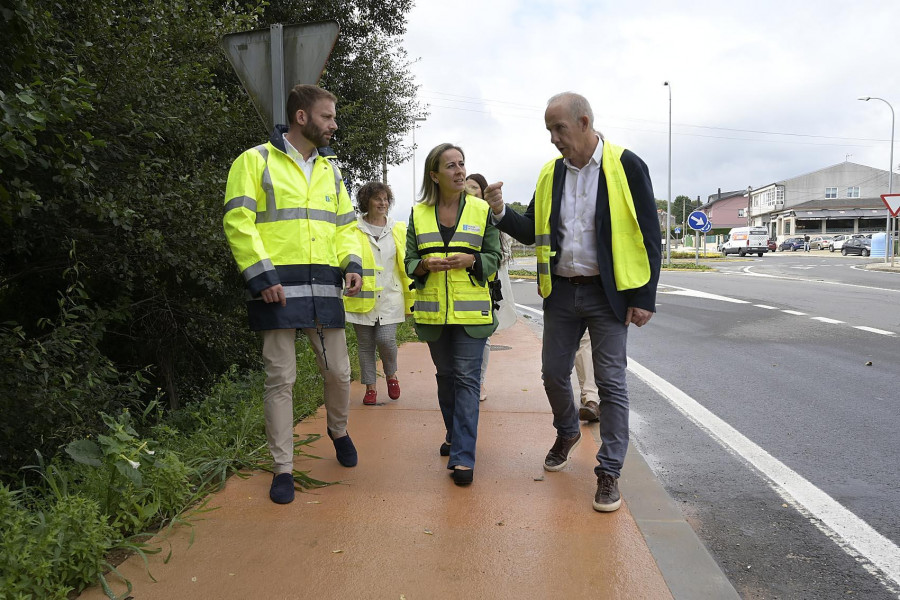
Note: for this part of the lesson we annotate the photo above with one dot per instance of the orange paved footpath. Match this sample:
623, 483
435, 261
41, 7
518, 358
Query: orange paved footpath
397, 526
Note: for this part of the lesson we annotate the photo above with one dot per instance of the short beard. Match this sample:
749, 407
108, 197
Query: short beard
315, 135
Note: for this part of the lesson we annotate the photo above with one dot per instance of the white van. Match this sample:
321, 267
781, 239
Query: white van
746, 240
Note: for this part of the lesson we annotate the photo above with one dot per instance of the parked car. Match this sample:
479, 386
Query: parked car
839, 240
861, 246
792, 244
773, 245
820, 242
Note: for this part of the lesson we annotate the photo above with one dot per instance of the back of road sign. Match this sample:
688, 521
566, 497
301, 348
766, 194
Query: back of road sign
892, 201
279, 58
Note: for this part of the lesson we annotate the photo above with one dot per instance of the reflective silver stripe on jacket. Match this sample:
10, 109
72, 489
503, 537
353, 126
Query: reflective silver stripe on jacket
542, 239
543, 268
368, 272
350, 258
364, 295
420, 306
294, 214
428, 238
266, 182
258, 269
472, 239
346, 218
307, 291
476, 305
241, 202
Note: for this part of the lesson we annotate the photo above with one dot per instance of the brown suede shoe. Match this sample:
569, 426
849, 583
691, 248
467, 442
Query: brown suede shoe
589, 411
559, 454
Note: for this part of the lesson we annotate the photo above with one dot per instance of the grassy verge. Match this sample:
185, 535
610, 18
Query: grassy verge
108, 497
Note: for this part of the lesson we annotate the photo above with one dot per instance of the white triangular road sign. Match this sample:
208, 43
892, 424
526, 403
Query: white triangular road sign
892, 201
305, 48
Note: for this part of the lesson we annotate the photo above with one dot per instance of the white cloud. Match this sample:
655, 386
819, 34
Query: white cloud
487, 69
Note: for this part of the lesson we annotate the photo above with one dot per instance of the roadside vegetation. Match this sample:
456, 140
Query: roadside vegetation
130, 385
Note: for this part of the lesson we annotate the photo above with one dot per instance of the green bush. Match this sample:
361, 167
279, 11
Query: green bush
47, 553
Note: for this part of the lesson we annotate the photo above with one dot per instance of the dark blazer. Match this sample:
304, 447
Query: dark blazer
521, 227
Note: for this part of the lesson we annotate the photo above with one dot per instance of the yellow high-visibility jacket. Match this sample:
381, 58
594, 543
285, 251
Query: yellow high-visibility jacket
631, 265
284, 229
452, 297
365, 300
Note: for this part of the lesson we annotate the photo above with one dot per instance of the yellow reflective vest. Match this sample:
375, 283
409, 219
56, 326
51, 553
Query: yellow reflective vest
631, 265
364, 301
452, 297
284, 229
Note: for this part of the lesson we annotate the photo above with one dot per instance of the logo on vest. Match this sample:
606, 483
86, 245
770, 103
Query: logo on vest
472, 228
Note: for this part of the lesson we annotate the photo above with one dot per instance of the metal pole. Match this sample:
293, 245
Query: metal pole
276, 41
669, 198
888, 241
415, 121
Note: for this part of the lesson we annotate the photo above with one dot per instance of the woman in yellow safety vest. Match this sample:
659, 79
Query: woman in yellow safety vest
452, 250
385, 297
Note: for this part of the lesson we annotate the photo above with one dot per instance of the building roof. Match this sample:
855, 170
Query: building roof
713, 198
840, 164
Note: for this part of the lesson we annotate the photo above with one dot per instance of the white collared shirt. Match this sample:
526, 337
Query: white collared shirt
577, 232
305, 165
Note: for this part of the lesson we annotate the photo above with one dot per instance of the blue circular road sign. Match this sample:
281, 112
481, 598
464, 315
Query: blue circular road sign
698, 220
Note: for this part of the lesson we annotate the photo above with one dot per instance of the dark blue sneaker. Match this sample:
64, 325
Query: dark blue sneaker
345, 450
282, 490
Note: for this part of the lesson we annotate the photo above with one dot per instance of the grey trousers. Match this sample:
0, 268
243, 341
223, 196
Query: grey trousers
568, 312
280, 358
370, 337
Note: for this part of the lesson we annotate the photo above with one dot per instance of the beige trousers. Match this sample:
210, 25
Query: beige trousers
584, 369
280, 357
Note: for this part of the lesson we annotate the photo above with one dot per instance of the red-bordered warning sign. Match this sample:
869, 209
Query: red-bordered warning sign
892, 201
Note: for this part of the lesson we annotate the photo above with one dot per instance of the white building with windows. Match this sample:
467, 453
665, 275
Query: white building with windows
844, 198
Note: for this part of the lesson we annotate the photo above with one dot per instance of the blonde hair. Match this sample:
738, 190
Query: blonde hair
430, 192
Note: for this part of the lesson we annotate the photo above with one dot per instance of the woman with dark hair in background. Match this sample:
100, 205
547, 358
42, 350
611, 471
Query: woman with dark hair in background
385, 297
452, 249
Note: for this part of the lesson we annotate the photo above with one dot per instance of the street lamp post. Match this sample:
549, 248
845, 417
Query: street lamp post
889, 242
415, 120
669, 198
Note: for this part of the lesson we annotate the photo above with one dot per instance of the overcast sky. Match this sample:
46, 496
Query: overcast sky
761, 90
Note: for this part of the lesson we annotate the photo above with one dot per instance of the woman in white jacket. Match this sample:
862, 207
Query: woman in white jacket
385, 298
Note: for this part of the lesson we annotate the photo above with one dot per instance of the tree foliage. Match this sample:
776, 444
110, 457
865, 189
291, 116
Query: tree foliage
118, 123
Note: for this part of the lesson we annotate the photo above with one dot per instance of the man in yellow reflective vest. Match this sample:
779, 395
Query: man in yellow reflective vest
289, 222
593, 222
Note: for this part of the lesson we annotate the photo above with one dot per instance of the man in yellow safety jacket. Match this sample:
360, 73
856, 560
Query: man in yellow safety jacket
594, 224
289, 222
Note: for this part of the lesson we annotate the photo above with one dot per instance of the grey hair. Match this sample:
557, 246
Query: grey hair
577, 104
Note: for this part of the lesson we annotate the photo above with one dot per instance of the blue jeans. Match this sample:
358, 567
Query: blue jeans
568, 311
457, 358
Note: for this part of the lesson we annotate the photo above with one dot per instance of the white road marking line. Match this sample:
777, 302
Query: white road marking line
746, 271
873, 330
826, 320
679, 291
851, 533
699, 294
539, 313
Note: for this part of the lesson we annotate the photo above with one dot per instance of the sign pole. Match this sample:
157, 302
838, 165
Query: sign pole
276, 43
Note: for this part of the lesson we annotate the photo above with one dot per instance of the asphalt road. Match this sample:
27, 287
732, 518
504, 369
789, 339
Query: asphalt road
765, 398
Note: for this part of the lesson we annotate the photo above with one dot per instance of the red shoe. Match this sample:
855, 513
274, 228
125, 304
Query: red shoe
369, 398
393, 388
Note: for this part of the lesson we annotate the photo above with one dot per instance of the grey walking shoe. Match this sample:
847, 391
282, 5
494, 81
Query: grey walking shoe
559, 454
607, 498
